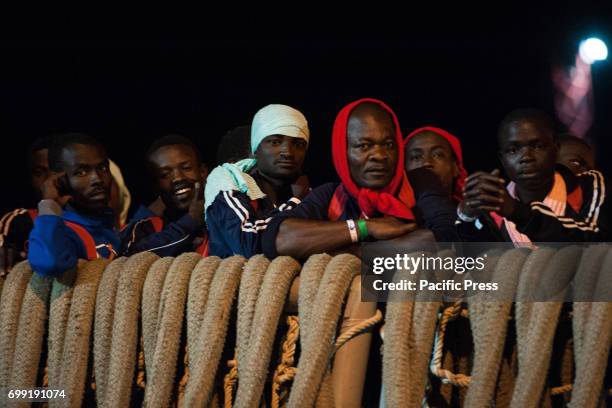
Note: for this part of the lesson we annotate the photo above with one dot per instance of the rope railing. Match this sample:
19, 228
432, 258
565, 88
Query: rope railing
125, 323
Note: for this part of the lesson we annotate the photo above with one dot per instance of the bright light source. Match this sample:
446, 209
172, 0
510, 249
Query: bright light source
592, 50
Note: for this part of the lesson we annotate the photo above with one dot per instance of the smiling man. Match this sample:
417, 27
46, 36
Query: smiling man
241, 197
373, 201
83, 229
173, 223
543, 202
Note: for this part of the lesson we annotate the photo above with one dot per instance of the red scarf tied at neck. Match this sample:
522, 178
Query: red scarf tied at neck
397, 198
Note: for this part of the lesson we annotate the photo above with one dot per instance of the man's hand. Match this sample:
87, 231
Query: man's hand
300, 187
196, 208
388, 228
52, 189
484, 192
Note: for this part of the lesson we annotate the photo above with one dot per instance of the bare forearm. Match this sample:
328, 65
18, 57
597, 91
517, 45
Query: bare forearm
301, 238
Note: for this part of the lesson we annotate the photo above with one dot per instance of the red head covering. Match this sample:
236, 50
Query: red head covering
456, 147
397, 198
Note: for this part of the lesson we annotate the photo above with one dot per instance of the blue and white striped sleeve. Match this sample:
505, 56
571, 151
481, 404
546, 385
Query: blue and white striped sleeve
233, 225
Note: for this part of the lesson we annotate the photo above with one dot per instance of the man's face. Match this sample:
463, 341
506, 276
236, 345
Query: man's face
371, 149
432, 151
576, 157
88, 177
528, 155
176, 170
39, 170
281, 157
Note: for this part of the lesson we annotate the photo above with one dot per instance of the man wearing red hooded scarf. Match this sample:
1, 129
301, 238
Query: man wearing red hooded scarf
373, 201
434, 165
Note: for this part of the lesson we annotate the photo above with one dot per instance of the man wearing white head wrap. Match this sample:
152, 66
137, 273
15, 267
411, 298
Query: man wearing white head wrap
278, 120
240, 197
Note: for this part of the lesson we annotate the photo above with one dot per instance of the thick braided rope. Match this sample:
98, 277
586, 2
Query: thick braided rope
285, 371
423, 332
78, 333
207, 350
325, 396
124, 343
597, 339
30, 332
585, 284
151, 295
534, 265
250, 285
310, 280
537, 346
320, 342
59, 313
103, 324
199, 286
13, 293
489, 322
397, 356
268, 309
170, 324
506, 380
199, 289
197, 295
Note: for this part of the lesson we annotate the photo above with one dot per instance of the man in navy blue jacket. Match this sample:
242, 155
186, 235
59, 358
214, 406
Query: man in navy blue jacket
241, 197
83, 229
174, 223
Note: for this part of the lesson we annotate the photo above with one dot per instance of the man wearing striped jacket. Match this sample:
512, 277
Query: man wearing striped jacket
241, 197
543, 202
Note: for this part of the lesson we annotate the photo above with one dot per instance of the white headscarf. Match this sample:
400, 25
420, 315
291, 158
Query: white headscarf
278, 120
